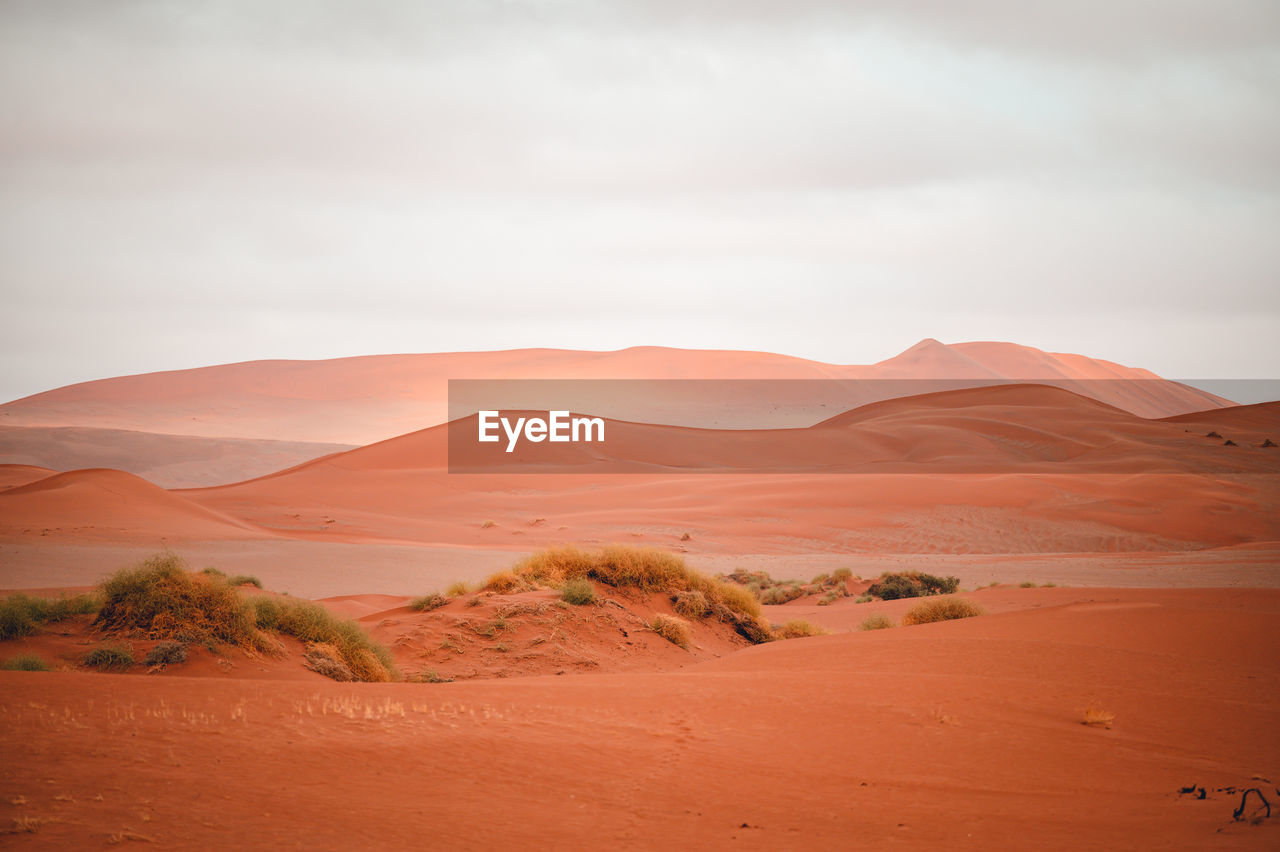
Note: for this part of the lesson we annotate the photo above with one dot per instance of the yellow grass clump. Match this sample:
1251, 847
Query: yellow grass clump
315, 625
647, 569
1096, 717
674, 630
941, 609
798, 628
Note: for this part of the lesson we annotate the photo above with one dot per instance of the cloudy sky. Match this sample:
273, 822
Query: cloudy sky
185, 184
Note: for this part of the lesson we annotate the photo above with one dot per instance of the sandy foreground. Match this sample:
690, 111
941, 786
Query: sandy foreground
956, 735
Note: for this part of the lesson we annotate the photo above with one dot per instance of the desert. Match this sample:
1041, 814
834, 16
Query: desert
962, 617
639, 425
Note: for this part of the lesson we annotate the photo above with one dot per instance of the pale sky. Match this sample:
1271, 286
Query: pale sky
184, 184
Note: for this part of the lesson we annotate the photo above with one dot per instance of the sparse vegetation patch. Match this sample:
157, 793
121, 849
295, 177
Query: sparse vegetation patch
911, 584
22, 615
110, 657
941, 609
426, 603
26, 663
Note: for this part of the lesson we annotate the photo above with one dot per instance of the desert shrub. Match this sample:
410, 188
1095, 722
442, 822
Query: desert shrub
841, 575
781, 595
1095, 716
912, 584
110, 657
1026, 584
325, 659
165, 654
647, 569
312, 623
488, 524
213, 572
798, 628
426, 603
876, 622
863, 599
691, 604
26, 663
245, 580
578, 592
457, 589
941, 609
158, 599
21, 615
674, 630
505, 582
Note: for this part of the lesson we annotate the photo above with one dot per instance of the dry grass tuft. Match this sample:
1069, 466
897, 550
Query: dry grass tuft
674, 630
367, 660
506, 582
426, 603
110, 657
1096, 717
691, 604
876, 622
325, 658
26, 663
457, 589
578, 592
941, 609
799, 628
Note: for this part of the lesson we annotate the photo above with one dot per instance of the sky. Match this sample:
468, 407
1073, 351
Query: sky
184, 184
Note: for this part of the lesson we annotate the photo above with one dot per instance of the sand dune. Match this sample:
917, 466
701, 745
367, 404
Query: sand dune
111, 505
366, 399
170, 461
955, 735
1011, 469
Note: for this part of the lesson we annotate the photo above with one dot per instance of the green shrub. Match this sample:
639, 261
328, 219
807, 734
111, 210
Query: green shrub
674, 630
22, 615
876, 622
27, 663
158, 599
912, 584
426, 603
578, 592
941, 609
245, 580
367, 660
110, 657
798, 628
165, 654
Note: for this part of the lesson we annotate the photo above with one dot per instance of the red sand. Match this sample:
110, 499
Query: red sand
955, 735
